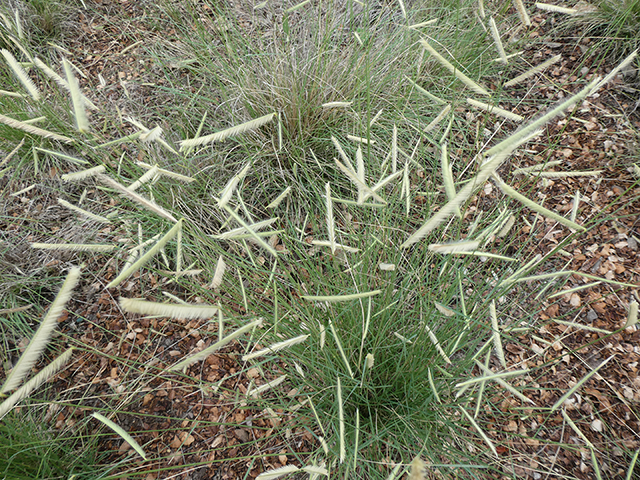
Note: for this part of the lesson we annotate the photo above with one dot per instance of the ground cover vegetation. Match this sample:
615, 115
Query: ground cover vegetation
349, 239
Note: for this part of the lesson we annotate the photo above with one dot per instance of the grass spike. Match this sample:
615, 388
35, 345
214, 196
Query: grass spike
555, 8
436, 342
42, 336
505, 384
340, 349
480, 431
82, 211
632, 317
495, 110
221, 266
522, 13
148, 204
530, 73
496, 38
612, 74
459, 75
352, 175
481, 9
79, 113
147, 256
340, 298
42, 376
494, 376
343, 452
632, 465
507, 190
227, 192
275, 347
447, 176
63, 156
254, 392
170, 310
434, 123
330, 221
579, 384
122, 433
429, 95
575, 428
497, 341
277, 472
417, 469
201, 355
21, 74
278, 200
25, 127
229, 132
250, 230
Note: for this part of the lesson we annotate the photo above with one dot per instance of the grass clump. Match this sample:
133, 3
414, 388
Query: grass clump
315, 237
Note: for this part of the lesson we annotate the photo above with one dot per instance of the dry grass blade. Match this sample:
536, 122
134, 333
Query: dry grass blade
42, 336
42, 376
461, 76
157, 309
25, 127
229, 132
21, 74
613, 73
123, 434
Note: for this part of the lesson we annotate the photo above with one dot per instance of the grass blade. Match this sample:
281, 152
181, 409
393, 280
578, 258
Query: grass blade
122, 433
